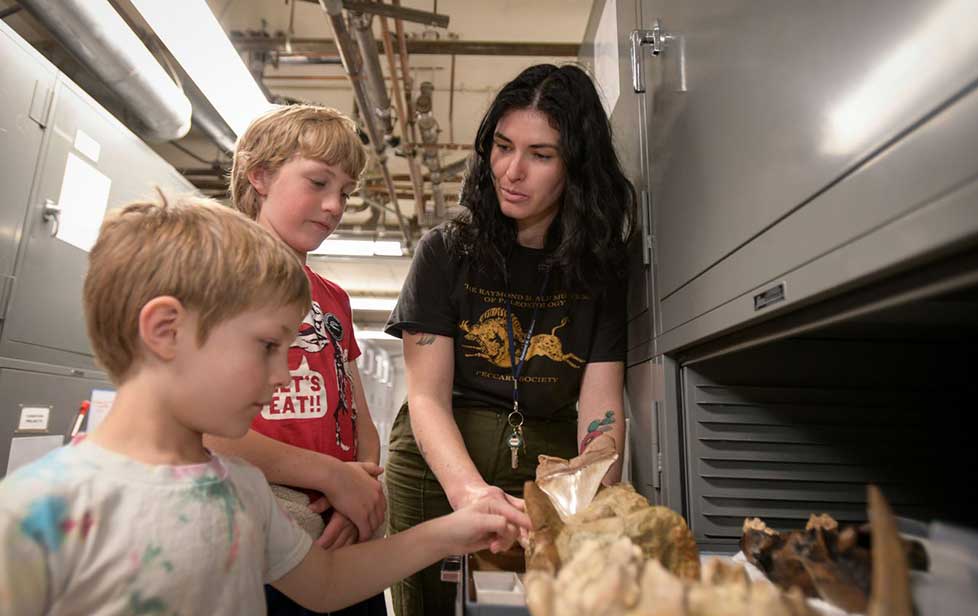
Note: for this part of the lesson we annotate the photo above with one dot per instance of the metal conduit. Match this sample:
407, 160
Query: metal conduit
407, 146
101, 39
334, 13
428, 126
373, 73
406, 75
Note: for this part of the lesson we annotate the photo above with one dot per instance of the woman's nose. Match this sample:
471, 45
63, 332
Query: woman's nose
515, 170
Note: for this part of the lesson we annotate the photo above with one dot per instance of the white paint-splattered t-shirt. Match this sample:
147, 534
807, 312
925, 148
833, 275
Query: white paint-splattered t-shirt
88, 531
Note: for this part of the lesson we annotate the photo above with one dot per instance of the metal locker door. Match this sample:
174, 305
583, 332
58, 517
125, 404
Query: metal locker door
759, 105
641, 404
45, 320
606, 51
27, 83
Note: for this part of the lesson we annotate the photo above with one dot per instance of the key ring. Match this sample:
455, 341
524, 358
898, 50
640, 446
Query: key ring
513, 424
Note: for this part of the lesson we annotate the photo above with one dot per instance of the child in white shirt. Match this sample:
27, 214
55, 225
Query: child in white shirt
191, 308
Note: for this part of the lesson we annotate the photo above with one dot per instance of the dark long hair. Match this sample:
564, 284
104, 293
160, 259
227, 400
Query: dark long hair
586, 241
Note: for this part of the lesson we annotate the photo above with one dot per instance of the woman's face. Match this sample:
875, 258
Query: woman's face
526, 167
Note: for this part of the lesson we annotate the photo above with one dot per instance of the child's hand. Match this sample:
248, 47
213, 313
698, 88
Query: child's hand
339, 531
320, 505
485, 491
355, 491
486, 523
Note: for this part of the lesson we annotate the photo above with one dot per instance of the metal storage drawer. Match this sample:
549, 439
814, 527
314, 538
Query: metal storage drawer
914, 201
59, 389
466, 602
764, 127
756, 107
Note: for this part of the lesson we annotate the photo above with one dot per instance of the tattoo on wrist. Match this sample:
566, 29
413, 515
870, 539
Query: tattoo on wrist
596, 427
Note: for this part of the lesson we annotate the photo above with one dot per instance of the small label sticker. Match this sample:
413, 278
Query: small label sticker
34, 419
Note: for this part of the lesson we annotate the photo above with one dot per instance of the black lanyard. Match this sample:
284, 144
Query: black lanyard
517, 366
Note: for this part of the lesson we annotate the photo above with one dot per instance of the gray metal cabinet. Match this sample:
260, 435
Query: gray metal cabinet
605, 51
44, 318
757, 110
802, 425
27, 83
59, 390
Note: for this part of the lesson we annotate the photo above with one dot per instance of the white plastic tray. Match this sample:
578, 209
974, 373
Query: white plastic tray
498, 588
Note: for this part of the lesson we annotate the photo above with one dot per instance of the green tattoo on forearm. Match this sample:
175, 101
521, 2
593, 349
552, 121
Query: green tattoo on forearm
596, 427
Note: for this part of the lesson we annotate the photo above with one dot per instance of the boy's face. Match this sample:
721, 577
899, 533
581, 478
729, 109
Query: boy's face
223, 383
303, 201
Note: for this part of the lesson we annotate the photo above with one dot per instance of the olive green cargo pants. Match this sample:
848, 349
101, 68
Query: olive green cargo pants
414, 494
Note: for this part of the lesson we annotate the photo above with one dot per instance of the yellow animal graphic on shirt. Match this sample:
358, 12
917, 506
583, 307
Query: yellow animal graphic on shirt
487, 339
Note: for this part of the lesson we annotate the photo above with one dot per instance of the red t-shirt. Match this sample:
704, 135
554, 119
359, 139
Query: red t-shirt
316, 410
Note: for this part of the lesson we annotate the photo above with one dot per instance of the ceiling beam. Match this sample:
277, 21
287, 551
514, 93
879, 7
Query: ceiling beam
250, 42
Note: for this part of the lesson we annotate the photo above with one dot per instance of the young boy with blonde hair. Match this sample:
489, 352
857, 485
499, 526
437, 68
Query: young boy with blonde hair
191, 308
294, 169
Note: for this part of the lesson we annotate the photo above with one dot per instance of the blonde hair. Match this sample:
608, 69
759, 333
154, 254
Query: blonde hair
208, 256
310, 131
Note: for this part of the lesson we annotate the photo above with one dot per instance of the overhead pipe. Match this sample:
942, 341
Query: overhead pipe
334, 13
373, 74
406, 76
106, 45
407, 146
206, 118
212, 125
378, 94
428, 126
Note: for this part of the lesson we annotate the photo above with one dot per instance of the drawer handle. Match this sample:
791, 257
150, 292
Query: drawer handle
654, 39
52, 211
771, 296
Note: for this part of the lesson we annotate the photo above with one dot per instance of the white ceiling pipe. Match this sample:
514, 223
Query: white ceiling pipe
101, 39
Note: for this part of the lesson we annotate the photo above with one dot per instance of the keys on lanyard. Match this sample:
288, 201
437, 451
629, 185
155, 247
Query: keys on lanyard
516, 440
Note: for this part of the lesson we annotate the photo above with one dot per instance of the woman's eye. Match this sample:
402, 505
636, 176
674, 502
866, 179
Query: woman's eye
544, 156
503, 147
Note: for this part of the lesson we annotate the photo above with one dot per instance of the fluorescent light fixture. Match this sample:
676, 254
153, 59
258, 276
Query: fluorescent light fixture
190, 31
359, 248
372, 303
373, 334
388, 248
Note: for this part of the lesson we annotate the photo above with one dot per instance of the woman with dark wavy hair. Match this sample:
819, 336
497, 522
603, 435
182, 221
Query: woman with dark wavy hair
513, 315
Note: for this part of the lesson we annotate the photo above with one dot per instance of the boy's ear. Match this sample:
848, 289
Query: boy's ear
258, 178
161, 323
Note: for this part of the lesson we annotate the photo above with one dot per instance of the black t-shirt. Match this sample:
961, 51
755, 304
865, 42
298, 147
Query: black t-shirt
448, 296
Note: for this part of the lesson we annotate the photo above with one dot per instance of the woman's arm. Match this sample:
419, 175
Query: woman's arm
430, 370
601, 409
430, 367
